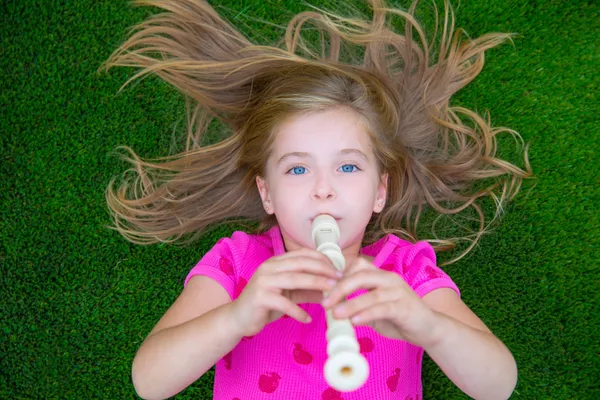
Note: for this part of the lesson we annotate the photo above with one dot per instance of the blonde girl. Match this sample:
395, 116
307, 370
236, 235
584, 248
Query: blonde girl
372, 142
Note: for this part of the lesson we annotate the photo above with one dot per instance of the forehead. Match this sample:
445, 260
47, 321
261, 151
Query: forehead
332, 129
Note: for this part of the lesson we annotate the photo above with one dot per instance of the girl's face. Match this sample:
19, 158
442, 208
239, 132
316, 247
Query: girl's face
322, 163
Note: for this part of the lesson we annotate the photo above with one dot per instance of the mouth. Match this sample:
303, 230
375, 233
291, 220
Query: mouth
337, 219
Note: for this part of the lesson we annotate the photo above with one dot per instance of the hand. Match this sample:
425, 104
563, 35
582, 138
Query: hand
279, 284
390, 307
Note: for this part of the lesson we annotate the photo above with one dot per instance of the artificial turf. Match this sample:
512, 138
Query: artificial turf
77, 299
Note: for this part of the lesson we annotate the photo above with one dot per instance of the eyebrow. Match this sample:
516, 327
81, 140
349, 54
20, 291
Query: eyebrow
302, 154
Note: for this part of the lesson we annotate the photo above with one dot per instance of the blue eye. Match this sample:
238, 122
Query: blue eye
297, 171
349, 168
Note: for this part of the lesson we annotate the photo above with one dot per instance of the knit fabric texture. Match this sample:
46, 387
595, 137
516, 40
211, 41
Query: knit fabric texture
285, 360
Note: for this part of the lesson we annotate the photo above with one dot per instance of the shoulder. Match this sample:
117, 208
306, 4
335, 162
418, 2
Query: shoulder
233, 258
416, 263
409, 253
393, 250
242, 244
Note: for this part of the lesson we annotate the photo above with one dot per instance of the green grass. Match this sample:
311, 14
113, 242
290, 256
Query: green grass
77, 299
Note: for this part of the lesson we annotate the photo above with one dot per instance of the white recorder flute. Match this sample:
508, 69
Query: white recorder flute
345, 369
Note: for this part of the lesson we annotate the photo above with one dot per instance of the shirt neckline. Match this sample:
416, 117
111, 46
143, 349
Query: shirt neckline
389, 243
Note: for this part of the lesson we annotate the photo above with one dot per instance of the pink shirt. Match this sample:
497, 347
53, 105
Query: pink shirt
285, 360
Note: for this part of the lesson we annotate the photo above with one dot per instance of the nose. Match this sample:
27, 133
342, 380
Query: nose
323, 189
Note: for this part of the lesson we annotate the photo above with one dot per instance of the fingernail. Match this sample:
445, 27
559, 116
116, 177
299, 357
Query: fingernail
308, 319
339, 273
332, 282
325, 302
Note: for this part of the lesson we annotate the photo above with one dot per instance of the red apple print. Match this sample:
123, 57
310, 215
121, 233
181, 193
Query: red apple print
225, 266
405, 268
388, 267
241, 284
417, 396
392, 380
268, 382
246, 338
301, 356
366, 344
331, 394
227, 359
236, 398
408, 398
431, 272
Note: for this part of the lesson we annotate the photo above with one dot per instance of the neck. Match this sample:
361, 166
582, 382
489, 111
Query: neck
351, 253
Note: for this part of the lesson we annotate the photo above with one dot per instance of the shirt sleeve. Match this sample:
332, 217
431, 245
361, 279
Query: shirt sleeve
421, 272
222, 262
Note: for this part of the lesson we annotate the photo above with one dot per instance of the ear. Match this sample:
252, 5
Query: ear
381, 193
263, 190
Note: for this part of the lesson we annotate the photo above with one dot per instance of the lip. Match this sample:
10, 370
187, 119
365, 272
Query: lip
337, 219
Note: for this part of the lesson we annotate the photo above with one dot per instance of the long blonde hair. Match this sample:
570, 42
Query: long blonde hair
435, 154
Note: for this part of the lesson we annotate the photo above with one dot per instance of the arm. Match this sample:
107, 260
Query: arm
455, 338
189, 339
204, 323
465, 349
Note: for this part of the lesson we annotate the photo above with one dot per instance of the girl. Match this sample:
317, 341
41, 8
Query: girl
370, 143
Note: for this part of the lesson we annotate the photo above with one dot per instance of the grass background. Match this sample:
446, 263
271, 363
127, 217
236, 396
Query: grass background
77, 299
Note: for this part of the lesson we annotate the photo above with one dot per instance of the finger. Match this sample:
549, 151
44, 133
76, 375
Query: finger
296, 280
381, 311
316, 255
306, 253
277, 302
348, 309
305, 264
364, 279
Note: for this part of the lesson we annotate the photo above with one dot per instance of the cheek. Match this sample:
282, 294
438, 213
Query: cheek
289, 192
363, 190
